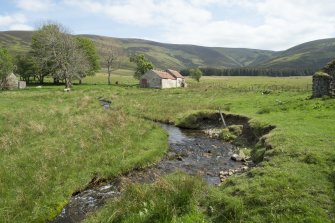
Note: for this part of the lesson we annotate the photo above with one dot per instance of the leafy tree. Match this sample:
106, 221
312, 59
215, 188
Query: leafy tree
26, 67
196, 74
142, 65
42, 45
59, 54
90, 51
6, 66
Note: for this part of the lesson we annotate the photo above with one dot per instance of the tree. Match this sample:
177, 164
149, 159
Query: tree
90, 51
6, 66
41, 44
196, 74
142, 65
26, 67
59, 54
112, 57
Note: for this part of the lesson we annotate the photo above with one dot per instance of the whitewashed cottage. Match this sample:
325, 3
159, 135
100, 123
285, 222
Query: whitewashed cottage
162, 79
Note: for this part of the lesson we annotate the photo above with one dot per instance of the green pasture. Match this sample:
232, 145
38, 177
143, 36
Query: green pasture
53, 143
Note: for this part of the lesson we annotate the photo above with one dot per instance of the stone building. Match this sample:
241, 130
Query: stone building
162, 79
324, 81
11, 82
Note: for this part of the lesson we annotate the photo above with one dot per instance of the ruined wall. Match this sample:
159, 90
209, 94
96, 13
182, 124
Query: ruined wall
324, 81
322, 84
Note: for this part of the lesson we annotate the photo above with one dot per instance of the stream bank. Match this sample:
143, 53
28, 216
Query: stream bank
191, 151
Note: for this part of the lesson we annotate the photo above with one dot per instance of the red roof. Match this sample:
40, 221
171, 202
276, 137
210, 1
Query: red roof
164, 75
168, 74
175, 73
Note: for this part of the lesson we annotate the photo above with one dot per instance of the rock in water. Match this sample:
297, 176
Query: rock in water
236, 157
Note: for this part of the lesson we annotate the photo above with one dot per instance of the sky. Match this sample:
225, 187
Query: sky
258, 24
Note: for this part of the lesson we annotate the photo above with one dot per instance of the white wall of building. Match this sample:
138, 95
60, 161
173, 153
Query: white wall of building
168, 83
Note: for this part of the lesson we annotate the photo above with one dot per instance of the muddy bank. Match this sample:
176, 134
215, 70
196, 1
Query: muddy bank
191, 151
246, 133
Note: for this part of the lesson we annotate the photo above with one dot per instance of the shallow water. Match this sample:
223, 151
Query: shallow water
105, 104
190, 151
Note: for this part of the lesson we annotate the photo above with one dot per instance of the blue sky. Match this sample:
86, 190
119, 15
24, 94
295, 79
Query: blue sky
261, 24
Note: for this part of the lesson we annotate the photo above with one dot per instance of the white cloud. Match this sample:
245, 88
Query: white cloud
281, 23
35, 5
285, 23
14, 22
145, 12
20, 27
10, 19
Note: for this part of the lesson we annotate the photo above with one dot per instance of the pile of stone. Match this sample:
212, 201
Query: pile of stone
238, 158
213, 133
225, 174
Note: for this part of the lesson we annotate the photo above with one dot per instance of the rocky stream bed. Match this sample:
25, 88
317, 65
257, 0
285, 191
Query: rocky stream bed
191, 151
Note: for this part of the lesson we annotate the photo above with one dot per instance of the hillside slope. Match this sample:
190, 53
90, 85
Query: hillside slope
311, 55
163, 55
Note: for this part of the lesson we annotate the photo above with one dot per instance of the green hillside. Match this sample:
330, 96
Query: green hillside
163, 55
15, 41
312, 55
180, 56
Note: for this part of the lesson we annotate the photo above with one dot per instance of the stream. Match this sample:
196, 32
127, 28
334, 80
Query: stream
191, 151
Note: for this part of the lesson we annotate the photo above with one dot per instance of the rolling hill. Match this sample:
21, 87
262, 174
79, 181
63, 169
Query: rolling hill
311, 55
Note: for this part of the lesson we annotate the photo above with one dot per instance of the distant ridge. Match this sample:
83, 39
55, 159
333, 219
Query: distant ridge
311, 55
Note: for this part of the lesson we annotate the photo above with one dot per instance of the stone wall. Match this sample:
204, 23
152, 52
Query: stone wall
322, 85
22, 84
150, 80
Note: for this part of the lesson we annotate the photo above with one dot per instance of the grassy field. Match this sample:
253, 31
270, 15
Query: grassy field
53, 143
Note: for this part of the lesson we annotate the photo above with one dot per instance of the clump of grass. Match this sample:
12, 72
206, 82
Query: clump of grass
311, 158
193, 119
231, 133
236, 129
257, 153
170, 199
263, 111
260, 128
227, 135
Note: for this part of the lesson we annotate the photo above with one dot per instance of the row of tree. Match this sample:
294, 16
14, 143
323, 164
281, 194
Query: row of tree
56, 53
208, 71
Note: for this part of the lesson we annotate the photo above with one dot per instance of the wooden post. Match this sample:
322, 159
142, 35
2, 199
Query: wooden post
223, 121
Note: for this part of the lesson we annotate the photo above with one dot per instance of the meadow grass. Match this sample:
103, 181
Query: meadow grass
53, 143
296, 183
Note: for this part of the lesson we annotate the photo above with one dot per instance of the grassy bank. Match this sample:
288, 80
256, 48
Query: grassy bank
295, 183
53, 143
